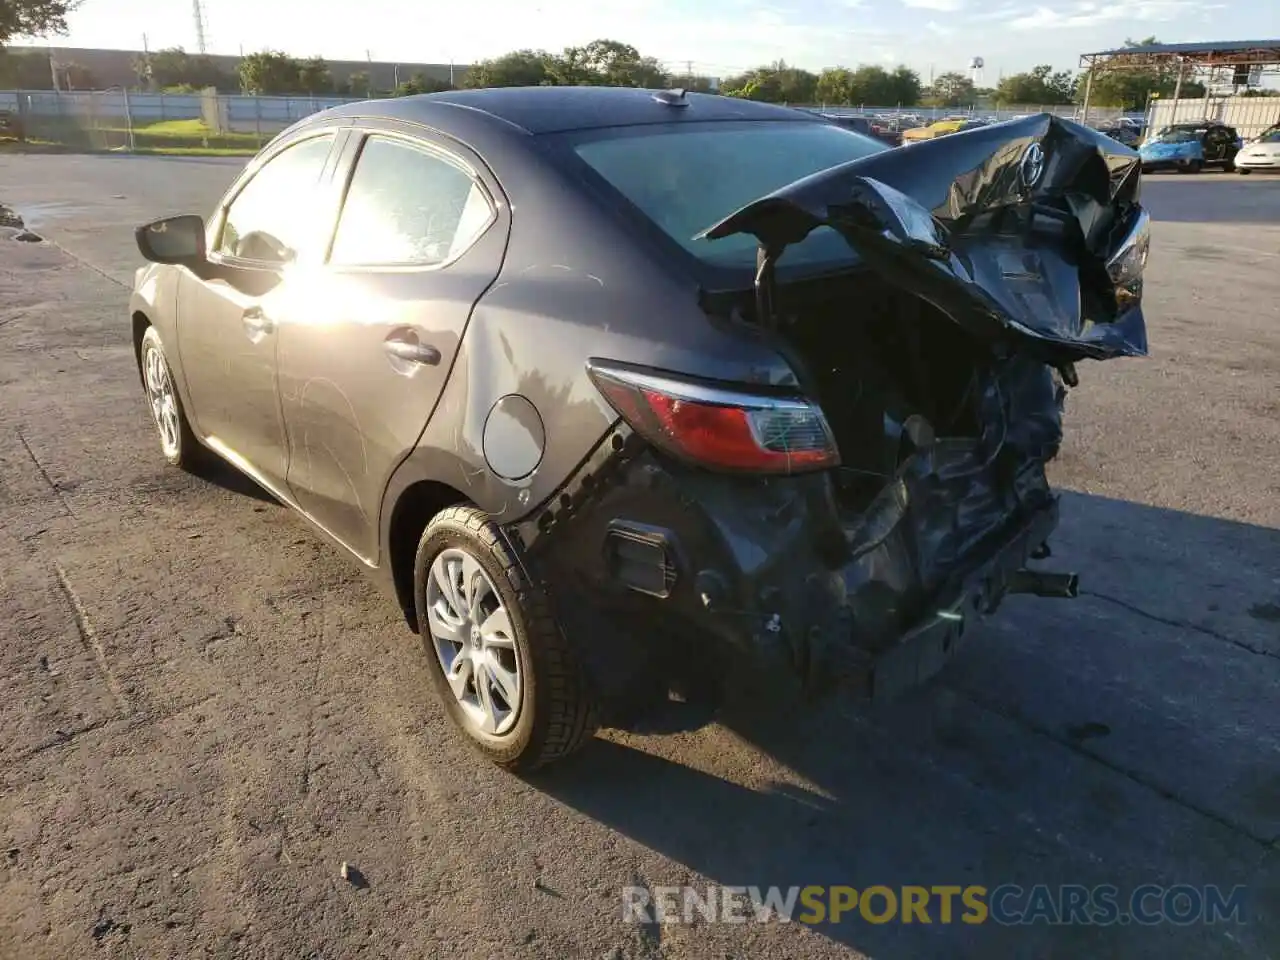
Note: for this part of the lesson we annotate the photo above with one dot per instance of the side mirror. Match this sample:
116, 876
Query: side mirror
174, 240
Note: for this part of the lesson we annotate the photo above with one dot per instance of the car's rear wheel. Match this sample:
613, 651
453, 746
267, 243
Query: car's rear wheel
1194, 166
506, 674
178, 442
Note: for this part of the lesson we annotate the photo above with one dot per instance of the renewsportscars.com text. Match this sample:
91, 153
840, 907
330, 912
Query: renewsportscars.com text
1007, 904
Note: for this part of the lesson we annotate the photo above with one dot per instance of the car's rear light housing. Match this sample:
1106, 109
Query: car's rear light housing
721, 427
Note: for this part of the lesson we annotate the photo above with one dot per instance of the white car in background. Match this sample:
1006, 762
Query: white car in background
1260, 154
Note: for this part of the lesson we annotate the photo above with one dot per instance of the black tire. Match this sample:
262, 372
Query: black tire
1195, 166
557, 714
188, 453
1242, 171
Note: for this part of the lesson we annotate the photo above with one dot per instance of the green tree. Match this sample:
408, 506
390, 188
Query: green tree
904, 87
421, 83
520, 68
835, 86
314, 76
952, 90
173, 68
357, 84
776, 83
612, 64
270, 72
25, 69
33, 18
1039, 86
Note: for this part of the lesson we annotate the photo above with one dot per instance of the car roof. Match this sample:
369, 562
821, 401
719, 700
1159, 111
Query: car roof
539, 110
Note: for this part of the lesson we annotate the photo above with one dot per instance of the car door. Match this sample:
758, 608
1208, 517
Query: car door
269, 227
1215, 144
364, 353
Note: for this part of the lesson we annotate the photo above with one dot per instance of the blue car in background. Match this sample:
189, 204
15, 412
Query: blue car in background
1190, 147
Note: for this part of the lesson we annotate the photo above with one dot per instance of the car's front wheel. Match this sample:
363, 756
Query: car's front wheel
1243, 171
178, 442
506, 674
1194, 166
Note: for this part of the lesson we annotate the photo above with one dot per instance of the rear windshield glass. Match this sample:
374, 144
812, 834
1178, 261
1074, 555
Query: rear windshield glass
687, 179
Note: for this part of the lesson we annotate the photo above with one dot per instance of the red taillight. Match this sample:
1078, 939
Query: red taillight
723, 428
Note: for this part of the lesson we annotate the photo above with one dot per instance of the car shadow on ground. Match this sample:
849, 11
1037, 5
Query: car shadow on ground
1212, 196
218, 472
1071, 742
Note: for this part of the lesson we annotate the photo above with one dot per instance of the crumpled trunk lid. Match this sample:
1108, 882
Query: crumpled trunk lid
1011, 230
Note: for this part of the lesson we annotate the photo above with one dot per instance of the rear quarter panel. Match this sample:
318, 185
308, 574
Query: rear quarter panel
576, 284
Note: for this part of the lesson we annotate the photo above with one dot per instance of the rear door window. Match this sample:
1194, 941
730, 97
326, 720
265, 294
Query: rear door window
408, 205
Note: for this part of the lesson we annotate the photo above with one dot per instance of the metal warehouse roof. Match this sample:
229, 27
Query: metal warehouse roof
1223, 53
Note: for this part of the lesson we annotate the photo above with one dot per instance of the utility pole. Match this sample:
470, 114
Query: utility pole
197, 12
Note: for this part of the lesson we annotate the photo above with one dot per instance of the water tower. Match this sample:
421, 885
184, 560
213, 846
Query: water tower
976, 65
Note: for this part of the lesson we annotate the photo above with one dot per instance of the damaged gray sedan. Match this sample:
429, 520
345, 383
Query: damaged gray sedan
618, 392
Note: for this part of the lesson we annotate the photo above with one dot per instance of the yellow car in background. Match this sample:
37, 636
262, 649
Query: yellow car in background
940, 129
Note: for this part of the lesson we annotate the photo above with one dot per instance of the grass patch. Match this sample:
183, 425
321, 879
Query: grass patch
196, 151
45, 147
180, 137
187, 131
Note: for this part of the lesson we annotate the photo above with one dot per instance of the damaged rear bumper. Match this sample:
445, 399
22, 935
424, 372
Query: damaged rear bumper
652, 566
927, 647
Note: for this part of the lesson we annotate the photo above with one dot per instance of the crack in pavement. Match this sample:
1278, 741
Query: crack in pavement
62, 497
311, 701
132, 721
89, 639
85, 263
1182, 624
1140, 779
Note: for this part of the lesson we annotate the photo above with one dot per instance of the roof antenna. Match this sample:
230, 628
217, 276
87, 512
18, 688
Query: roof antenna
674, 97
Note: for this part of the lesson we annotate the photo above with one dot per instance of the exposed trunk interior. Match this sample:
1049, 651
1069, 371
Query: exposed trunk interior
887, 368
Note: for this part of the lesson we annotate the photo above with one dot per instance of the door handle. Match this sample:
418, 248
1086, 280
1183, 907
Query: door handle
257, 322
407, 347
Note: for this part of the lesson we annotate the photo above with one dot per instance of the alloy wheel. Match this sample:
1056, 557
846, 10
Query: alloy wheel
474, 642
163, 400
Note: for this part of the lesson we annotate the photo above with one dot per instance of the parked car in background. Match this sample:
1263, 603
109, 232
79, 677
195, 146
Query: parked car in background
941, 128
866, 127
1190, 147
617, 392
1260, 153
1123, 132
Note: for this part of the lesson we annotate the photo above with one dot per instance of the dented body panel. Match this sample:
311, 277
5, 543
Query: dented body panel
1009, 233
922, 372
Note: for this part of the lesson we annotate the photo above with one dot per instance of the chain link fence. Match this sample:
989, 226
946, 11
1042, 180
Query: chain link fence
121, 120
1002, 112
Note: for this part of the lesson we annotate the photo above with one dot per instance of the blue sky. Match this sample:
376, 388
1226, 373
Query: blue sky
718, 37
